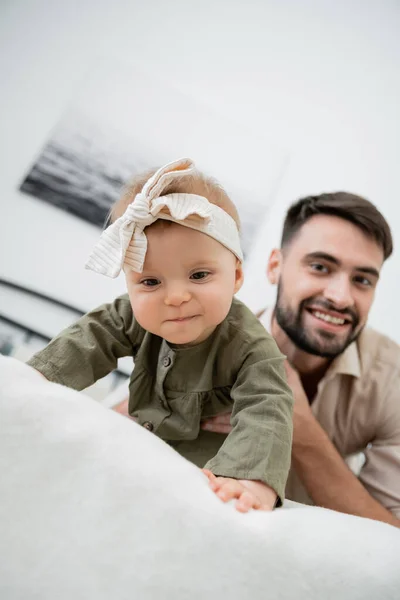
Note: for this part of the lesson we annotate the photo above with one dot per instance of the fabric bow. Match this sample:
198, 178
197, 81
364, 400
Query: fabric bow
124, 241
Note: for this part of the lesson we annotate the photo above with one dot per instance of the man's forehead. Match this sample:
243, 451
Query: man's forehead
339, 238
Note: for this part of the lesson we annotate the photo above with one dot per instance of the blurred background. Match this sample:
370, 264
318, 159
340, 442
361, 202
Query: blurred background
278, 99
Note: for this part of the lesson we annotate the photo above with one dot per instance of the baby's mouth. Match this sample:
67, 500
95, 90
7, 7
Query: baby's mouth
181, 319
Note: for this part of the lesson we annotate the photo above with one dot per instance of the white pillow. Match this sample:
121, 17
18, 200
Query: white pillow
95, 507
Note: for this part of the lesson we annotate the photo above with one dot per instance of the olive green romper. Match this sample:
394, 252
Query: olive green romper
239, 368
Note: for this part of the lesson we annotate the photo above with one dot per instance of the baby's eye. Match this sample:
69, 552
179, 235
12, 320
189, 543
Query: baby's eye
150, 282
199, 275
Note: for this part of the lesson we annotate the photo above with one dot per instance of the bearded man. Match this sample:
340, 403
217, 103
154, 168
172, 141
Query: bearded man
345, 376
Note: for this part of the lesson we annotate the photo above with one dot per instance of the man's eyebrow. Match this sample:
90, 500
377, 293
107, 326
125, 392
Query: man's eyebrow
323, 256
369, 271
332, 259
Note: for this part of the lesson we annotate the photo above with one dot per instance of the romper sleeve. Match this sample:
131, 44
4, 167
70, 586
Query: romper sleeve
259, 445
89, 349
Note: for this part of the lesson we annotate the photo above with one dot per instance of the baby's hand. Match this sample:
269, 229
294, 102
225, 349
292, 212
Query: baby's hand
247, 498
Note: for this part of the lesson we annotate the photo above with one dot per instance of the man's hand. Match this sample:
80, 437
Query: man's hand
122, 409
249, 494
222, 423
218, 424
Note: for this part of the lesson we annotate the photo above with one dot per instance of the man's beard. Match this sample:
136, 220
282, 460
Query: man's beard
325, 343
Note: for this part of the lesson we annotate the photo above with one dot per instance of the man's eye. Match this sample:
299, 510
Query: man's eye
151, 282
363, 281
318, 267
199, 275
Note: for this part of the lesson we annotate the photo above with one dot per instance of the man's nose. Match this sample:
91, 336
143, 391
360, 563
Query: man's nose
176, 295
338, 292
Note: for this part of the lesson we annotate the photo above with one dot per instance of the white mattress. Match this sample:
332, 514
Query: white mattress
94, 506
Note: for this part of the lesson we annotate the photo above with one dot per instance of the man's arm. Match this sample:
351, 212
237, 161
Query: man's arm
327, 478
323, 472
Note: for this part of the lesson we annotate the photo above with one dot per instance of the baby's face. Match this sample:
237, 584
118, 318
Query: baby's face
187, 284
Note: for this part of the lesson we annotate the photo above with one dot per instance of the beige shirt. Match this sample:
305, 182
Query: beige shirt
358, 405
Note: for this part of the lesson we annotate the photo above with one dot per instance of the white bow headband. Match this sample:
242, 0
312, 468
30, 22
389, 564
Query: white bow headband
125, 243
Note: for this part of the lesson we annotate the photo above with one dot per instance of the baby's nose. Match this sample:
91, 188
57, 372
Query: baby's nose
177, 296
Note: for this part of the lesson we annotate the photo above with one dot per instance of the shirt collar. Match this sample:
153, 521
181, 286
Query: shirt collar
347, 363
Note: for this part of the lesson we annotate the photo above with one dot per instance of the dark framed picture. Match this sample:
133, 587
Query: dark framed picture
123, 122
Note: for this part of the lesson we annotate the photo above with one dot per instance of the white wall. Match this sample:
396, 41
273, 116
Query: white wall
320, 78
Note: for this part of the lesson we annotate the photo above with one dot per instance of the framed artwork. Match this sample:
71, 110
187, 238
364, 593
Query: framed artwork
122, 122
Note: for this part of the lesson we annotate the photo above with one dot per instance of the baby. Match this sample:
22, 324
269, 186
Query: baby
197, 350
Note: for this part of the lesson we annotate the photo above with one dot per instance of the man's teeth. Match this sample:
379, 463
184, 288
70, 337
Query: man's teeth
328, 318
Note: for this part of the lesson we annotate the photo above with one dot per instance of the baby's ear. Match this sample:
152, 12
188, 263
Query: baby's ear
239, 276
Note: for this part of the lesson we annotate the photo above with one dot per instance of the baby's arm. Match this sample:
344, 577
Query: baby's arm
90, 348
249, 494
258, 450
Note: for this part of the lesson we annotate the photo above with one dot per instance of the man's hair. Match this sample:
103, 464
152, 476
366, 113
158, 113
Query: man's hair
193, 183
357, 210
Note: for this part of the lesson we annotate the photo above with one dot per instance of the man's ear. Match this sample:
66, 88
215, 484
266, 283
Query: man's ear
239, 276
274, 266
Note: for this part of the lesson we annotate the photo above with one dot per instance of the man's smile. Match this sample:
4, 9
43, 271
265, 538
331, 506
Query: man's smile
329, 320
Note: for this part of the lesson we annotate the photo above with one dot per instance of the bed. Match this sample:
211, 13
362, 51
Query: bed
94, 506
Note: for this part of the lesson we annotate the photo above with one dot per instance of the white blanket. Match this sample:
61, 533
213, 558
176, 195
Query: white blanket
95, 507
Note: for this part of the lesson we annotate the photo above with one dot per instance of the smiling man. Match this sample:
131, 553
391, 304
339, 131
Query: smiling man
345, 376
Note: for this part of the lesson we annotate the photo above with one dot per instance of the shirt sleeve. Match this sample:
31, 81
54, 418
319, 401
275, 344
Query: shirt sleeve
89, 349
381, 471
259, 445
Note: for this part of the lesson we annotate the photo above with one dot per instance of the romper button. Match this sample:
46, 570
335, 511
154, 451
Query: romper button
148, 425
166, 361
